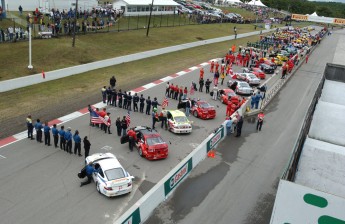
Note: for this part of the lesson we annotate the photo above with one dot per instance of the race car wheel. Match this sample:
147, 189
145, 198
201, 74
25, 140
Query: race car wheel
221, 100
195, 113
140, 151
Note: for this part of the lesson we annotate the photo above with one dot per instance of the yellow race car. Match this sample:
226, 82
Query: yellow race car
282, 57
278, 62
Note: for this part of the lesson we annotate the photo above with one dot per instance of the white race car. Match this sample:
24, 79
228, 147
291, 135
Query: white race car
111, 179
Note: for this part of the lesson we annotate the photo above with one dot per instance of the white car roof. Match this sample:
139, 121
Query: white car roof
105, 160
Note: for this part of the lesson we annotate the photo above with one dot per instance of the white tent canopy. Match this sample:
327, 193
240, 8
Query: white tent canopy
256, 3
314, 14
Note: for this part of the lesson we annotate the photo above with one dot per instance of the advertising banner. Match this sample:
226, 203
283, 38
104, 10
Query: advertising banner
339, 21
134, 218
215, 139
176, 178
299, 17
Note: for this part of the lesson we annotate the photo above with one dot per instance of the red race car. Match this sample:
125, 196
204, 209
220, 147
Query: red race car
150, 143
200, 108
225, 94
203, 110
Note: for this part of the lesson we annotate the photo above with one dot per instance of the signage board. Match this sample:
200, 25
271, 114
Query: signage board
176, 178
134, 218
299, 17
215, 139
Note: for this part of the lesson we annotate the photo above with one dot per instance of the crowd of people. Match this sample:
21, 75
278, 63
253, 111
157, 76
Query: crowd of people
61, 138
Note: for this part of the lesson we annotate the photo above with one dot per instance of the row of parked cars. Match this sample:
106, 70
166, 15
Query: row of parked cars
207, 10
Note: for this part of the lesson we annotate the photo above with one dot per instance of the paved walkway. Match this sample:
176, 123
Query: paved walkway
12, 84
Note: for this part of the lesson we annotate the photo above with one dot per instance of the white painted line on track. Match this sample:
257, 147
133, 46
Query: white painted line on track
181, 73
165, 79
71, 116
3, 157
150, 85
193, 68
22, 135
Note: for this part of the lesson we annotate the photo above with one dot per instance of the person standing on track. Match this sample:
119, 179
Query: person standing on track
148, 105
215, 92
212, 67
38, 128
135, 102
77, 143
62, 138
124, 126
261, 116
207, 85
46, 130
55, 135
68, 139
87, 146
142, 103
167, 89
201, 75
104, 94
119, 94
201, 84
30, 127
306, 58
132, 138
118, 126
239, 126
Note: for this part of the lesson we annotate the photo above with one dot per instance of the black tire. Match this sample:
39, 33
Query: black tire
195, 113
140, 151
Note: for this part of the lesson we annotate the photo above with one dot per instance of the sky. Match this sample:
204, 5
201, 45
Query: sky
342, 1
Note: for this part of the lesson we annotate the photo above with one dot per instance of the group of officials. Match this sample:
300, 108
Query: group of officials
65, 137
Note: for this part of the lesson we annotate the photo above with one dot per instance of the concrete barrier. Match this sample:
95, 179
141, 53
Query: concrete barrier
11, 84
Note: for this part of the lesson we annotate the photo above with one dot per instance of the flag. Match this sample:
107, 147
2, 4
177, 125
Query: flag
192, 89
165, 102
128, 118
96, 119
43, 74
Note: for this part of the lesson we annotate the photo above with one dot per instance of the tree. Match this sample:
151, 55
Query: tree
324, 11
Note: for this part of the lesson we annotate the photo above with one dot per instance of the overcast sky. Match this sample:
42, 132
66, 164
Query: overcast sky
342, 1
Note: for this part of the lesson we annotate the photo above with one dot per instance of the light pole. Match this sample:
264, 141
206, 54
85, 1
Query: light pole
30, 64
148, 26
75, 22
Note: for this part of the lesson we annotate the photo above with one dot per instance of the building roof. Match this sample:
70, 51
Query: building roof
321, 167
148, 2
297, 204
256, 3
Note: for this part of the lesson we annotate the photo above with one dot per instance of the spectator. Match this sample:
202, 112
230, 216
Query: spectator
228, 125
87, 146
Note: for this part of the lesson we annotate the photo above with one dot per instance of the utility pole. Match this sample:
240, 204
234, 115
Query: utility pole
30, 64
148, 26
75, 22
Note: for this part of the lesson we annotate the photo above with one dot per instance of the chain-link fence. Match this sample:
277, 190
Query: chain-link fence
12, 30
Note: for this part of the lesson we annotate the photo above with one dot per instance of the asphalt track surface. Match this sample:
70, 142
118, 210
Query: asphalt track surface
39, 184
240, 184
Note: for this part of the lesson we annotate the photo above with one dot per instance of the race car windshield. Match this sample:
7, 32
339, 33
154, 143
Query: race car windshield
244, 85
114, 174
205, 105
154, 141
180, 119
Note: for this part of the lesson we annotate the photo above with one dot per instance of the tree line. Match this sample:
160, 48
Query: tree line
328, 9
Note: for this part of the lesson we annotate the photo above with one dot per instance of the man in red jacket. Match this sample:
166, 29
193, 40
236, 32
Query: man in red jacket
132, 138
261, 117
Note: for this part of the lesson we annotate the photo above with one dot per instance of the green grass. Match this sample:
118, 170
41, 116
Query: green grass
54, 53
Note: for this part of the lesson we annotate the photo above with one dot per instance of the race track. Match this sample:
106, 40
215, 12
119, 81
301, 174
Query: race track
239, 185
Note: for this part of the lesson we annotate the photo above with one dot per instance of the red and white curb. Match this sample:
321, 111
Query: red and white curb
23, 135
